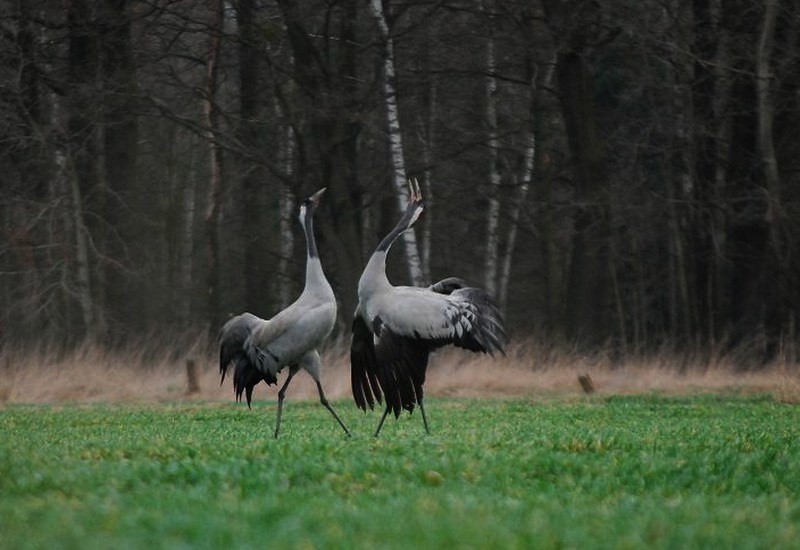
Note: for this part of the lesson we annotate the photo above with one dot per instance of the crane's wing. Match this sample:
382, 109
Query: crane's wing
363, 365
409, 323
486, 330
258, 345
466, 317
448, 285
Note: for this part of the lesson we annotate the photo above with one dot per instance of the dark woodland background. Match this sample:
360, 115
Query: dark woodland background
621, 175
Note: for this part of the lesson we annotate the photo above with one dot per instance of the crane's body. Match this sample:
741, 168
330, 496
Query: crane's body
396, 327
303, 326
260, 349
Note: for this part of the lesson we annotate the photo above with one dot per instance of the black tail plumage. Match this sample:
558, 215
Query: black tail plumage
246, 376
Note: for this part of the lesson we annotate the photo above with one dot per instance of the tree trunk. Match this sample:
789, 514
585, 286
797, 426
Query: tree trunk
396, 141
81, 153
704, 251
492, 255
285, 287
766, 145
214, 315
186, 259
82, 261
256, 208
748, 236
587, 301
533, 164
120, 144
428, 122
327, 142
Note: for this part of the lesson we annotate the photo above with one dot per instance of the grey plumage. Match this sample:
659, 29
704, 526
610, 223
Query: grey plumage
259, 349
396, 327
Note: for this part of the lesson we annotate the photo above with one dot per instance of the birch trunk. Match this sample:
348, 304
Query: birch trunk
528, 171
214, 168
493, 214
516, 209
396, 142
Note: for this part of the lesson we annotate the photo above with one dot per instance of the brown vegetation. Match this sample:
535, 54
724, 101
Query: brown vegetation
90, 375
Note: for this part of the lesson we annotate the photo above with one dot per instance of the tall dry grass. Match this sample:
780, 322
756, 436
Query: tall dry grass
532, 369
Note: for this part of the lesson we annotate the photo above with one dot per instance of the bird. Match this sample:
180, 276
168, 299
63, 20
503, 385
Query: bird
395, 328
259, 348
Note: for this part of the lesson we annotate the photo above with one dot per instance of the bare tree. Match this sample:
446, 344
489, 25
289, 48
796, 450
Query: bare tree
396, 139
492, 257
214, 164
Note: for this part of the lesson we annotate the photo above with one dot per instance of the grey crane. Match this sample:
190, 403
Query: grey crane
396, 327
259, 349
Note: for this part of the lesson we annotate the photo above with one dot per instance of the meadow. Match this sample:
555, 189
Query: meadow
601, 471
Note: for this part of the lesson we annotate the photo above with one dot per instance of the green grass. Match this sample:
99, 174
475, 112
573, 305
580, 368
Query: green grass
625, 472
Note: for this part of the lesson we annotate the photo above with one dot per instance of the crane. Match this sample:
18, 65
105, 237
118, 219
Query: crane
396, 327
260, 348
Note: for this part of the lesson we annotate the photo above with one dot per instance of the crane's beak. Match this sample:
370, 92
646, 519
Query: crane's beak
315, 198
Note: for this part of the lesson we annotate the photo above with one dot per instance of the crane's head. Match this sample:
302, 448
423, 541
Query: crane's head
415, 204
313, 200
310, 204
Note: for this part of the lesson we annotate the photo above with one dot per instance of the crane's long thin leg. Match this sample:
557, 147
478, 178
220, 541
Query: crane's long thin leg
324, 401
380, 424
424, 418
281, 395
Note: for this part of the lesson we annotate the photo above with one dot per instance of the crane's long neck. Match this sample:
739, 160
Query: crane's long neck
315, 276
374, 276
307, 217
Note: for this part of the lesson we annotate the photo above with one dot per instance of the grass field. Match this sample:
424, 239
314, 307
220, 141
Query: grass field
600, 472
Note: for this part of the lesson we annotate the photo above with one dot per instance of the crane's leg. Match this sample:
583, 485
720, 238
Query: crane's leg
424, 418
281, 395
380, 424
324, 401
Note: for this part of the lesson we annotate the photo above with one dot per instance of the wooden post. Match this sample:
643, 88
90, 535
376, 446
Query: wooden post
586, 383
193, 384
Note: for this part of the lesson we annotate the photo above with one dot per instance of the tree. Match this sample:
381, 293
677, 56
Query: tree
395, 137
213, 213
587, 290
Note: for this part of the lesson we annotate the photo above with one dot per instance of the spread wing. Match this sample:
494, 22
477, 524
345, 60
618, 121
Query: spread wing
466, 317
389, 357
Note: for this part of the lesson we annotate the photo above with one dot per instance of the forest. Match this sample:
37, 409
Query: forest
620, 176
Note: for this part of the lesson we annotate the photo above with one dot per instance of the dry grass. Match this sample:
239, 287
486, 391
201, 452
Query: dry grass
93, 375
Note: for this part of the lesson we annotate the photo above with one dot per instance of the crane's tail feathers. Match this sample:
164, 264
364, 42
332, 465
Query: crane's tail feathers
246, 377
264, 361
227, 353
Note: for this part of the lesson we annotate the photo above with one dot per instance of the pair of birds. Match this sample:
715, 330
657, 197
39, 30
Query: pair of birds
394, 330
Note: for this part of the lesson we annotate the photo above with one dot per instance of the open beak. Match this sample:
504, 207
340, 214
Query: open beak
316, 197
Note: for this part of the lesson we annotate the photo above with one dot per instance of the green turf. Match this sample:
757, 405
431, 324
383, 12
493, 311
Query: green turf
627, 472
